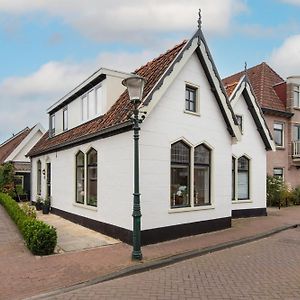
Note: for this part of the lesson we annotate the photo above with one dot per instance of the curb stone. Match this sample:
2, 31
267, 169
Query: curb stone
162, 262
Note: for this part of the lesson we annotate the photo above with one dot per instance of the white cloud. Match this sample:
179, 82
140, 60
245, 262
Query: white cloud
24, 100
286, 58
133, 20
293, 2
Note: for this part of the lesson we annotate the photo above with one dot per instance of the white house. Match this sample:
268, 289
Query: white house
249, 155
188, 139
14, 150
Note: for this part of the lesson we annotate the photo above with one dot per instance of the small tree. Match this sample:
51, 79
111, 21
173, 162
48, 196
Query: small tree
7, 178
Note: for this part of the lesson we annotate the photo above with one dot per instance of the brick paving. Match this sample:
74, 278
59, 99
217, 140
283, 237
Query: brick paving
23, 275
264, 269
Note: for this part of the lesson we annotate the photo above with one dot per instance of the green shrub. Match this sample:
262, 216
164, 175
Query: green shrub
278, 192
39, 237
296, 196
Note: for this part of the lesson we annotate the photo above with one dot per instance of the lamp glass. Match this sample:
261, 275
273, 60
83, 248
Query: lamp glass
135, 86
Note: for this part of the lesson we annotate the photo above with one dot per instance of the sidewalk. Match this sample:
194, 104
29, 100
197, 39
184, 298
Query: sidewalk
23, 275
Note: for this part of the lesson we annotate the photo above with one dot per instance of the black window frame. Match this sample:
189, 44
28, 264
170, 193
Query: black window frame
281, 131
248, 177
233, 174
88, 167
191, 104
39, 177
196, 164
184, 165
80, 167
240, 122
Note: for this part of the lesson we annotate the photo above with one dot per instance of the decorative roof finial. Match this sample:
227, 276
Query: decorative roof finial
245, 69
199, 19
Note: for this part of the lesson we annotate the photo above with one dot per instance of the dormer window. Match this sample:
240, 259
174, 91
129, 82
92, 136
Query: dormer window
52, 126
297, 96
91, 103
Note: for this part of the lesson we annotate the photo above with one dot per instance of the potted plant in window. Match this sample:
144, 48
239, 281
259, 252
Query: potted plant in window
46, 206
39, 203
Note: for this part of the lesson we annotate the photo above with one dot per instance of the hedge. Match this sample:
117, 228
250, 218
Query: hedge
39, 237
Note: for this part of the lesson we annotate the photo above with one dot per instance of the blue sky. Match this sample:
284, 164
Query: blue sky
48, 47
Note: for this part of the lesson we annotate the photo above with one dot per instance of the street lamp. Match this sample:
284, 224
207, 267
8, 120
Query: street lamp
135, 87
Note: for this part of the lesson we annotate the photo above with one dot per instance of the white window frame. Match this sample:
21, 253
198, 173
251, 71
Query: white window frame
276, 175
52, 125
296, 96
197, 100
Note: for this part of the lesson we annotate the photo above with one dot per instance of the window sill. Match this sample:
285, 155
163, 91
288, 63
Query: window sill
92, 208
187, 209
192, 113
280, 148
241, 201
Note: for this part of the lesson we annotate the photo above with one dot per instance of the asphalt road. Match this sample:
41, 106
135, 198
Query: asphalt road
265, 269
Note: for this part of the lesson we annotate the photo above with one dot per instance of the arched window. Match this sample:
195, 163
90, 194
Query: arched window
243, 178
202, 175
80, 177
233, 178
180, 174
39, 177
92, 177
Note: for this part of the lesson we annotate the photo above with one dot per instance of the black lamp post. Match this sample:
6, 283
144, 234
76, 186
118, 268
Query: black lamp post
135, 86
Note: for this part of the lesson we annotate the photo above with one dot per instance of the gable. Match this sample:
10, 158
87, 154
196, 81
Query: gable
243, 92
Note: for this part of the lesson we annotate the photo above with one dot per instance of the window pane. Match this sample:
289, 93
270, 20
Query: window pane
202, 155
92, 186
179, 186
243, 164
180, 153
278, 126
201, 186
92, 178
80, 185
92, 157
296, 133
278, 172
243, 185
65, 119
190, 99
80, 159
233, 179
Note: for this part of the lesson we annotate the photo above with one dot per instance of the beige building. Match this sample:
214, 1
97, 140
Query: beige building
279, 100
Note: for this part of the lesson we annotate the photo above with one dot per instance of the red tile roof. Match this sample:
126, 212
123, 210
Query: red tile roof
119, 113
11, 144
230, 87
263, 79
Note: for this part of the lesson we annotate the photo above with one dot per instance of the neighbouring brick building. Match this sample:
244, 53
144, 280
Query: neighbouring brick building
279, 100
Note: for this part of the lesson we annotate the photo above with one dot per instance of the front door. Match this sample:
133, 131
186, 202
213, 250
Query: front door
48, 179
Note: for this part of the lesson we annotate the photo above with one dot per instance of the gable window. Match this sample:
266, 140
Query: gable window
243, 178
92, 177
65, 118
278, 134
278, 172
80, 182
180, 174
233, 179
99, 100
39, 177
201, 175
240, 122
52, 125
297, 96
190, 98
92, 103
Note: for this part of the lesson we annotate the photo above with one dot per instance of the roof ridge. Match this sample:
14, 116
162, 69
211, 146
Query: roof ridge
14, 136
